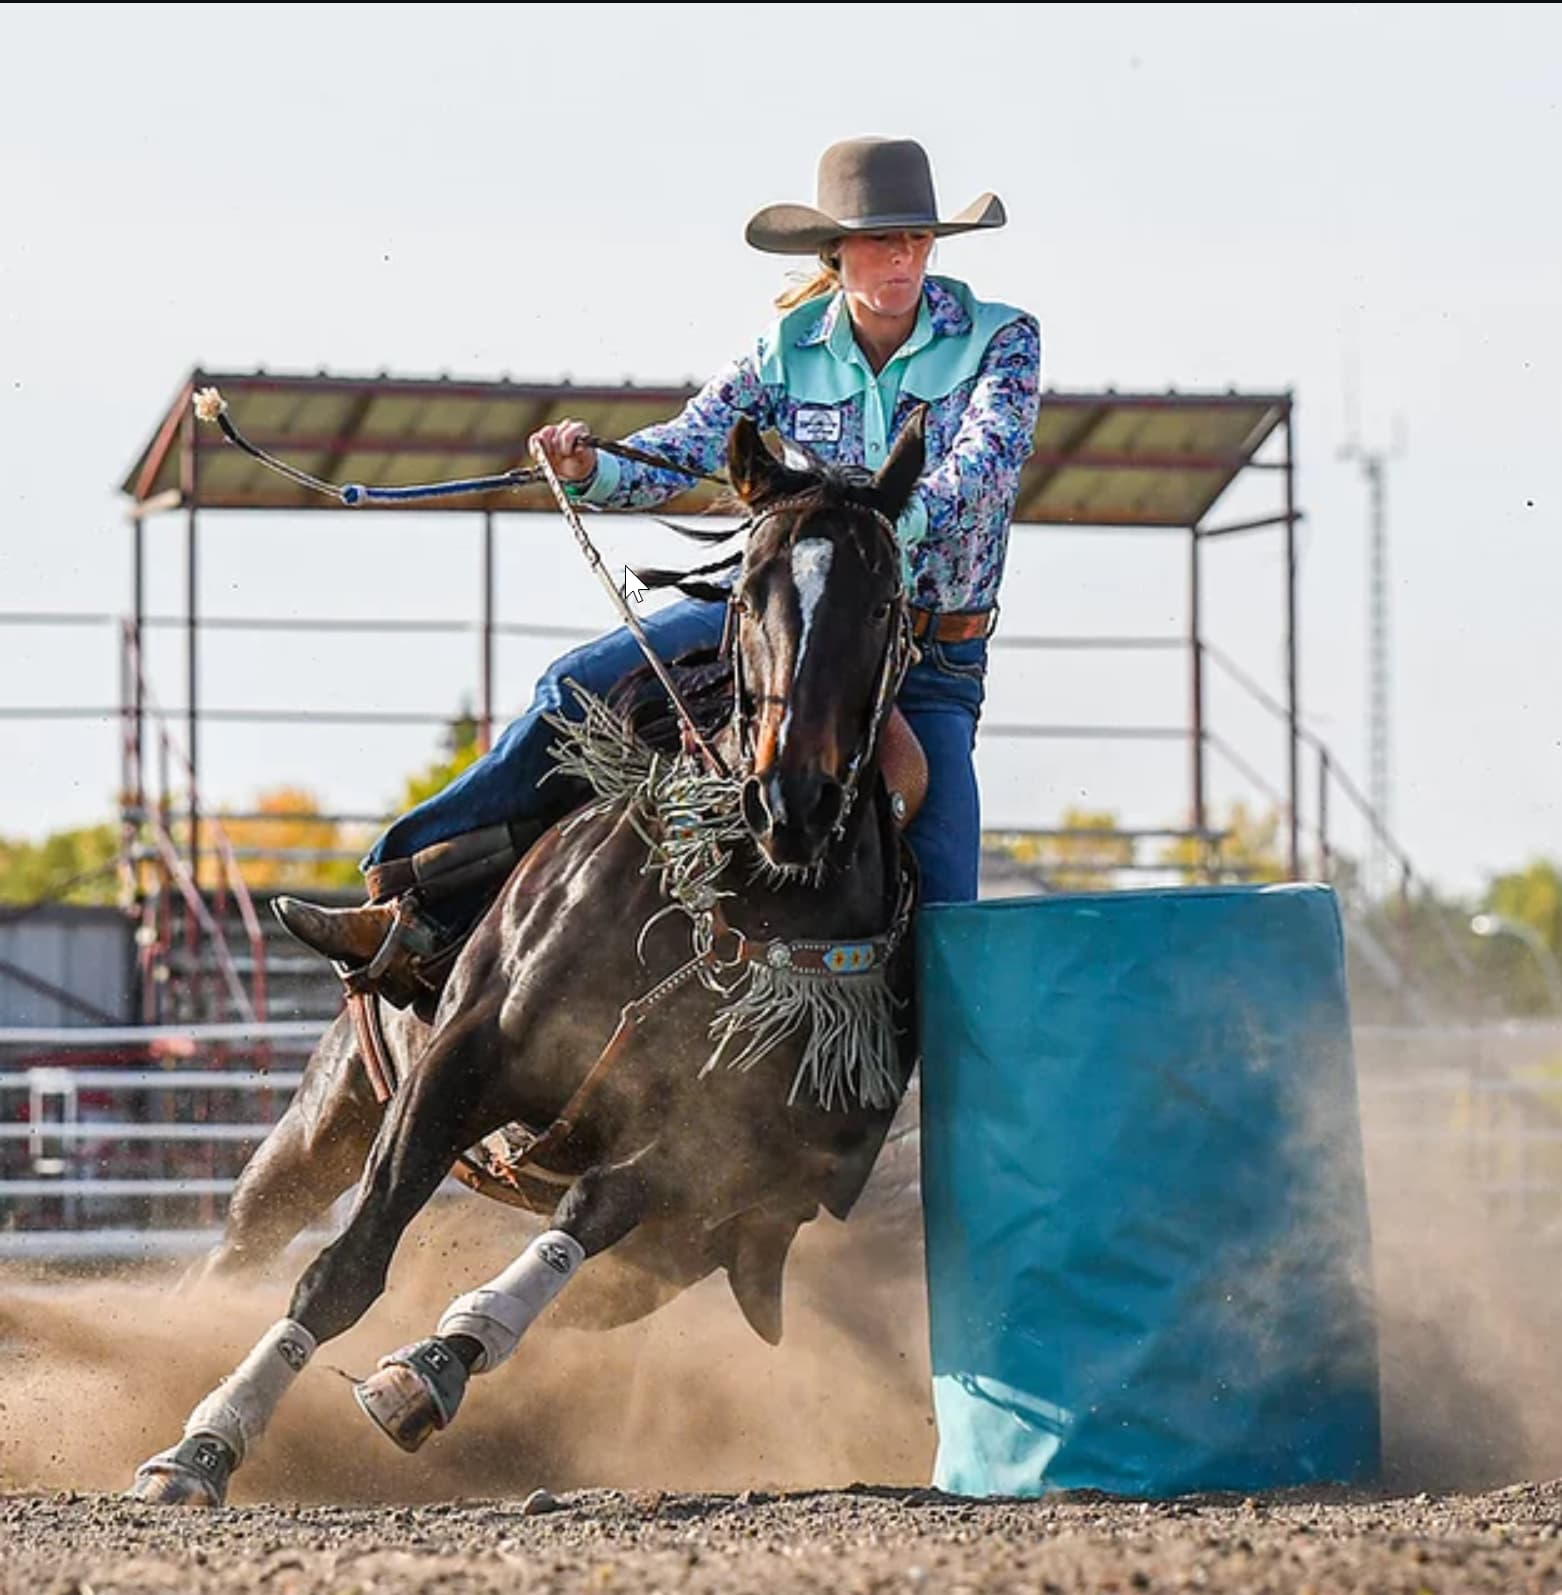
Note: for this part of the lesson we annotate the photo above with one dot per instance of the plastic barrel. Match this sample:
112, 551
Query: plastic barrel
1148, 1252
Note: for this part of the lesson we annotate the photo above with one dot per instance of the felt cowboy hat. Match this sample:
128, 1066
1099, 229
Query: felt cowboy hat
867, 185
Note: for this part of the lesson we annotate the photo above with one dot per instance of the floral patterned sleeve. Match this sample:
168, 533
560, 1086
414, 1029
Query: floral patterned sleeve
955, 530
696, 436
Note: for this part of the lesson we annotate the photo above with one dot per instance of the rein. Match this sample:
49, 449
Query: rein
621, 604
211, 406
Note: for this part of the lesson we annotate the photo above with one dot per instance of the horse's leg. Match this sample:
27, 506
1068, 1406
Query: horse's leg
439, 1112
314, 1153
418, 1389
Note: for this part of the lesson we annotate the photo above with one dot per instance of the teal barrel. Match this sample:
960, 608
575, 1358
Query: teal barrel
1148, 1251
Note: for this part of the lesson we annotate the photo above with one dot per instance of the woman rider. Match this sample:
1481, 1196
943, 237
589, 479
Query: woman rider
856, 349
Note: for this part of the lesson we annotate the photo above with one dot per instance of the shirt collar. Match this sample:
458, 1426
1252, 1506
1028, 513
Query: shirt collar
940, 315
950, 317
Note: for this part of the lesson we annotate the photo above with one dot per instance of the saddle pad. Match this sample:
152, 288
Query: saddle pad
1148, 1254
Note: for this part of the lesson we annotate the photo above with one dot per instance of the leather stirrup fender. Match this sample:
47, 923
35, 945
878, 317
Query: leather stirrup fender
903, 766
472, 858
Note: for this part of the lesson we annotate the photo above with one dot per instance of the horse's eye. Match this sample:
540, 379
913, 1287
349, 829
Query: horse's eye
881, 611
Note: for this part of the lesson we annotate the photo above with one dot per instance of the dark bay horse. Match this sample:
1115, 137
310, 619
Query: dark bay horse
741, 933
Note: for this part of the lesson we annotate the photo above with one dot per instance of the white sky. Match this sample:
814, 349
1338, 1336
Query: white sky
1195, 200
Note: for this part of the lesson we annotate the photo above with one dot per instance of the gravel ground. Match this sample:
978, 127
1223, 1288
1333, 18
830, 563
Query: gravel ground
753, 1449
858, 1539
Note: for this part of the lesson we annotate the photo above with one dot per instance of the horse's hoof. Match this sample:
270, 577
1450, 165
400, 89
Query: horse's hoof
193, 1473
416, 1391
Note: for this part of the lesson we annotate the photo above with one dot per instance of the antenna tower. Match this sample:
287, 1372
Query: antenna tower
1380, 794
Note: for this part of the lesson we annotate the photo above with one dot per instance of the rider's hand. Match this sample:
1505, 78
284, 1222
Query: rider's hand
568, 452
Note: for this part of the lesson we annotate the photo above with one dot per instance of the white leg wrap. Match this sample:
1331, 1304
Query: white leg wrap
239, 1409
497, 1314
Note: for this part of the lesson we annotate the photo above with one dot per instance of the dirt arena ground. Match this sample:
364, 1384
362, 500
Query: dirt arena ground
868, 1540
683, 1453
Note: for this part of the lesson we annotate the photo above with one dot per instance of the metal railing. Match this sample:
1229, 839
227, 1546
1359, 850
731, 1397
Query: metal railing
78, 1177
102, 1149
139, 816
167, 858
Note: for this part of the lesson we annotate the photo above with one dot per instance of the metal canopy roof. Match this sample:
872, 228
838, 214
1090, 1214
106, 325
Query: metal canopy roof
1101, 459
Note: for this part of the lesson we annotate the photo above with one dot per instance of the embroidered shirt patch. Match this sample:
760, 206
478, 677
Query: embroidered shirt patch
817, 426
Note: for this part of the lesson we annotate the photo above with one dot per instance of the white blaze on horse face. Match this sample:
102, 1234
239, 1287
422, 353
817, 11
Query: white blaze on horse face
810, 570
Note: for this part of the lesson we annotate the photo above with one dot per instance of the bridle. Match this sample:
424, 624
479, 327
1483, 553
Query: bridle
899, 649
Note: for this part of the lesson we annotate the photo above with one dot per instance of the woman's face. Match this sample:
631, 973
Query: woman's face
884, 271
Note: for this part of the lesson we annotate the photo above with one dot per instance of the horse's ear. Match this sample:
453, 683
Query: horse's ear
898, 474
755, 473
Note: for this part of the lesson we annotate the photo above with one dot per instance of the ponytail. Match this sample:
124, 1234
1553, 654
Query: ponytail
826, 280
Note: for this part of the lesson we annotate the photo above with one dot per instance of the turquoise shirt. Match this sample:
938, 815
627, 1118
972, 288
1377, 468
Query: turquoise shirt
975, 365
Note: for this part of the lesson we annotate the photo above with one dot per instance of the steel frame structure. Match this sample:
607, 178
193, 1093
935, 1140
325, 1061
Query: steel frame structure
1102, 460
1062, 487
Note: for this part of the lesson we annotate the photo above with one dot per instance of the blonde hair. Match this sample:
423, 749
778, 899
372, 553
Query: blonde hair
825, 281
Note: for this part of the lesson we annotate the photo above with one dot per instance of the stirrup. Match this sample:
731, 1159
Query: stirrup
411, 963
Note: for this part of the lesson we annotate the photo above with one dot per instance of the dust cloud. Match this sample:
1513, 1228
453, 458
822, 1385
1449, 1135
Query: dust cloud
98, 1373
1470, 1327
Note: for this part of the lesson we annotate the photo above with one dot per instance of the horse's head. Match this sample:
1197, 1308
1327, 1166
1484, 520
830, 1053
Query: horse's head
821, 638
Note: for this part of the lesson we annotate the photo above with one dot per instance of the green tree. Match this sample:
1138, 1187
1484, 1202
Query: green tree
1085, 855
1533, 897
461, 750
79, 866
75, 866
1249, 851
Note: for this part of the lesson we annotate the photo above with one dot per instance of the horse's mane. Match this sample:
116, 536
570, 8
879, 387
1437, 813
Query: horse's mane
703, 677
839, 486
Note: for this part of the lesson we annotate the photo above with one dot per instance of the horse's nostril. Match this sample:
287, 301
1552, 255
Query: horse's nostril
755, 815
827, 806
797, 806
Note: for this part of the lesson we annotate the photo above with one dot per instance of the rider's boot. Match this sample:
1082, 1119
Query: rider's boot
394, 944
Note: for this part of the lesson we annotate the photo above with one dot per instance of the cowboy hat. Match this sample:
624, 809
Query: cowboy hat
867, 185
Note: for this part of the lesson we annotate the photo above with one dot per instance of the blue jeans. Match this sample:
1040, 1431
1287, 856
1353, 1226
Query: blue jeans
941, 698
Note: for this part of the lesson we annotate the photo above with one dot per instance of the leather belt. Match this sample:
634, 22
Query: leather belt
954, 626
